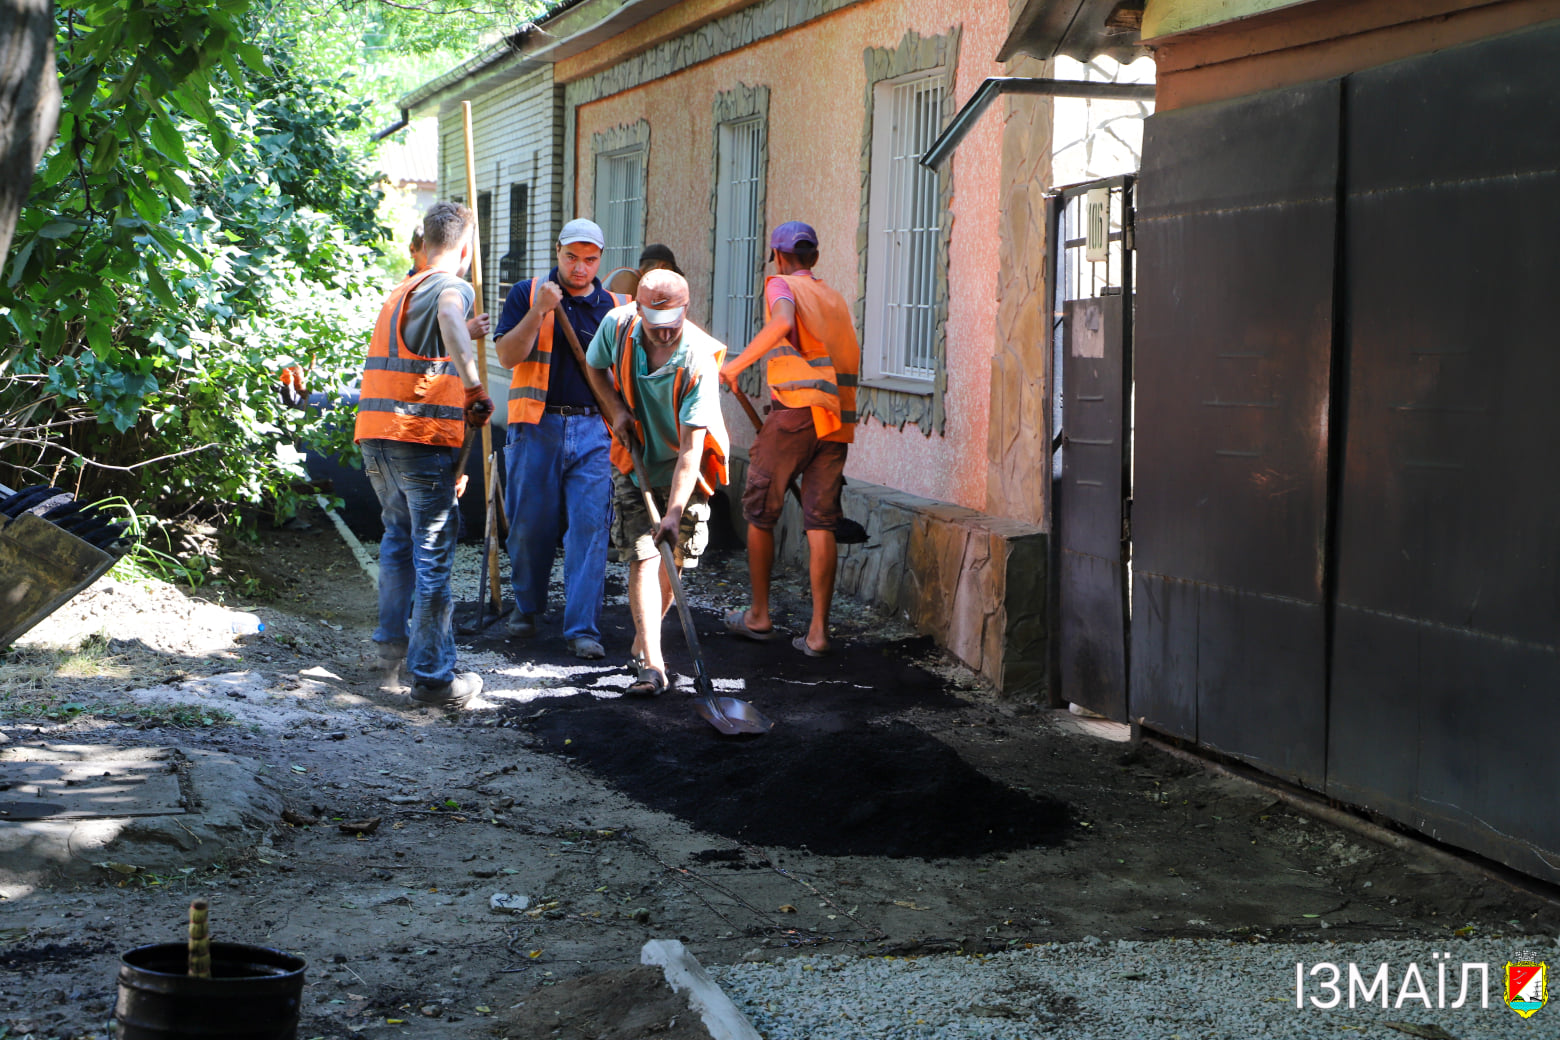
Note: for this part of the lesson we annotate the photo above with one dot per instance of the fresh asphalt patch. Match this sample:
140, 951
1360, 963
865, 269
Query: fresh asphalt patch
843, 772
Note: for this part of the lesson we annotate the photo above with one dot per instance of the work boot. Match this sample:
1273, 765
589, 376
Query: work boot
587, 649
453, 694
521, 626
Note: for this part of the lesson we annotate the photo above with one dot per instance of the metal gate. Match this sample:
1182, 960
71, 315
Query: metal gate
1091, 257
1234, 367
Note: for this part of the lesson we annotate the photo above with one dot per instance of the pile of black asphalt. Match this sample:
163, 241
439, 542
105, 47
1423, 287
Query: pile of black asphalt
846, 770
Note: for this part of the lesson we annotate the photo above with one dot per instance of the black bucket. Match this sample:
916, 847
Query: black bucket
254, 993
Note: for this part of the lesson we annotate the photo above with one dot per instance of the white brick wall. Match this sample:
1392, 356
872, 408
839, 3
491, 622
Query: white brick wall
517, 136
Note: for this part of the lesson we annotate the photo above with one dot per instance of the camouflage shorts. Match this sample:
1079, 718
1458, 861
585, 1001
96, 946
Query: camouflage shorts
631, 530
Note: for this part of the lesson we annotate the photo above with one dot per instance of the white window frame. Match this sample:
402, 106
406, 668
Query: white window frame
736, 303
620, 205
905, 234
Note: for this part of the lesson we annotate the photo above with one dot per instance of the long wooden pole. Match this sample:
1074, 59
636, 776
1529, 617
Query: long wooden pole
488, 540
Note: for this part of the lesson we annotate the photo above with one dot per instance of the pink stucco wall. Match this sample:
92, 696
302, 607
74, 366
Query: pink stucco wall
817, 85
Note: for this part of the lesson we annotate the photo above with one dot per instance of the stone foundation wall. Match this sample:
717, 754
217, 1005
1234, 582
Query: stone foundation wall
973, 582
1018, 449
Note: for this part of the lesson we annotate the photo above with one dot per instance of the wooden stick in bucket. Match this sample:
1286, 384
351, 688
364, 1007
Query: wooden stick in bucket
200, 941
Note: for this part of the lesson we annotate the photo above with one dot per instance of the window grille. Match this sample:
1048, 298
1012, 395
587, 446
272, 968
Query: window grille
511, 268
906, 227
620, 205
485, 242
739, 252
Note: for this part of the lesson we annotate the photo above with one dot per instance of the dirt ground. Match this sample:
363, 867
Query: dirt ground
898, 807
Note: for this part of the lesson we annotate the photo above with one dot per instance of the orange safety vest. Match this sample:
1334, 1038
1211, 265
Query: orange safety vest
528, 385
712, 465
408, 395
823, 374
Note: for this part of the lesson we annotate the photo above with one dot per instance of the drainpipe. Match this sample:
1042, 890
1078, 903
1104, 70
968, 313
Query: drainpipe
996, 86
399, 124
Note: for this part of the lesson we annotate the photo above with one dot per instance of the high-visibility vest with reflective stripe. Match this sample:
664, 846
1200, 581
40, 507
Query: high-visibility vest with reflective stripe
712, 464
528, 384
823, 374
408, 395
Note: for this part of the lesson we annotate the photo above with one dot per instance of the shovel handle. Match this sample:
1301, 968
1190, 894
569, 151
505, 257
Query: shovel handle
465, 454
747, 406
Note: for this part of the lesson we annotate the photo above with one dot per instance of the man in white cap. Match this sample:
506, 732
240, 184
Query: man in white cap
667, 375
558, 482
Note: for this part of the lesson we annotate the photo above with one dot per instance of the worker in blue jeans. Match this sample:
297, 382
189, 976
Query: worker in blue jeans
421, 391
558, 474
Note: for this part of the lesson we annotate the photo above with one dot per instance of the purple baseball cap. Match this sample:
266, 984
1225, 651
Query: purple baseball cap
791, 234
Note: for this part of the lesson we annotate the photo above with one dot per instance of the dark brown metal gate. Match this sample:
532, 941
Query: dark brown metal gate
1446, 664
1094, 360
1233, 365
1346, 489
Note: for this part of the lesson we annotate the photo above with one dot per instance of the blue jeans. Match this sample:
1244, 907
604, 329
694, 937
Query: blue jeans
416, 488
560, 484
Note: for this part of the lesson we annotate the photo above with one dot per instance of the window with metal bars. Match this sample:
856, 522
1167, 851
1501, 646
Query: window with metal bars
905, 223
485, 243
620, 207
739, 232
511, 267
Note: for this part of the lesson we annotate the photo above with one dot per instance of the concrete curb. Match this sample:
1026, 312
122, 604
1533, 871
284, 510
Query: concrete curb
705, 997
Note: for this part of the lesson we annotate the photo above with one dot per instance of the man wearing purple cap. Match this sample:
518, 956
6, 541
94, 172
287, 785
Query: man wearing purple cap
558, 476
809, 340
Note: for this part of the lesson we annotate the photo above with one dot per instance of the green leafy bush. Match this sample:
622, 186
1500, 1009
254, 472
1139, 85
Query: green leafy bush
197, 228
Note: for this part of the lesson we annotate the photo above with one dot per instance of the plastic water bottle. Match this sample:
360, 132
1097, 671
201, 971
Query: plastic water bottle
246, 624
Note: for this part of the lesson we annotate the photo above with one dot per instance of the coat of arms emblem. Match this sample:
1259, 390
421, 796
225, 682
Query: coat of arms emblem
1527, 986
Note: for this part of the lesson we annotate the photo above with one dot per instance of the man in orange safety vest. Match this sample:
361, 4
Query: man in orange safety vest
813, 358
421, 391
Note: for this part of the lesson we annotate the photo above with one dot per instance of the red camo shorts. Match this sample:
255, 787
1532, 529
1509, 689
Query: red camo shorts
788, 446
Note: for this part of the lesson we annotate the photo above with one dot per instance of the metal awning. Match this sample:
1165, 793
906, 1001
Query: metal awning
1080, 29
996, 86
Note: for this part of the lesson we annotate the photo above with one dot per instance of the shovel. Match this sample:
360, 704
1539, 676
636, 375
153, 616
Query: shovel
727, 714
846, 531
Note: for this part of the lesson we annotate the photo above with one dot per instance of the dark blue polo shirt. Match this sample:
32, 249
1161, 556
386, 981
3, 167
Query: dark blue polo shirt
565, 384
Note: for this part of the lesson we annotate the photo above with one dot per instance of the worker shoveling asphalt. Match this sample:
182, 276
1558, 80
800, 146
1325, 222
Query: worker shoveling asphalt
727, 714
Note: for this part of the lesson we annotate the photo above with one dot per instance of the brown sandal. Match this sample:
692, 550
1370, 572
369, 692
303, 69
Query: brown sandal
651, 682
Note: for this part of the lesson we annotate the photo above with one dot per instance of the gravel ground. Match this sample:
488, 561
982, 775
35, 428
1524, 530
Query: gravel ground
1170, 990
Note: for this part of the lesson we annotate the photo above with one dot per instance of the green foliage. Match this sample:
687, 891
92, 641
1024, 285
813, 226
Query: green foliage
388, 49
197, 228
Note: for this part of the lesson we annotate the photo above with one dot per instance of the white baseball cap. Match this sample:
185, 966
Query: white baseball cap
581, 230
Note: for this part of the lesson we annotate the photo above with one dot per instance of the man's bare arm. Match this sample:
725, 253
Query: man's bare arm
685, 475
457, 340
782, 320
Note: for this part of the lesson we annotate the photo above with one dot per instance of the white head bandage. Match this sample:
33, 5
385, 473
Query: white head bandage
669, 316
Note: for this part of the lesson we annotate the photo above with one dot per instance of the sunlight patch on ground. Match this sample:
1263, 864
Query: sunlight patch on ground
491, 698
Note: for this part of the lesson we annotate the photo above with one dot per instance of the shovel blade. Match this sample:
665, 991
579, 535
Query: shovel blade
849, 532
731, 716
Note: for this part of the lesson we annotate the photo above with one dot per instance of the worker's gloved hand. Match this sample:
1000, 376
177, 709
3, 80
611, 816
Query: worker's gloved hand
479, 407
